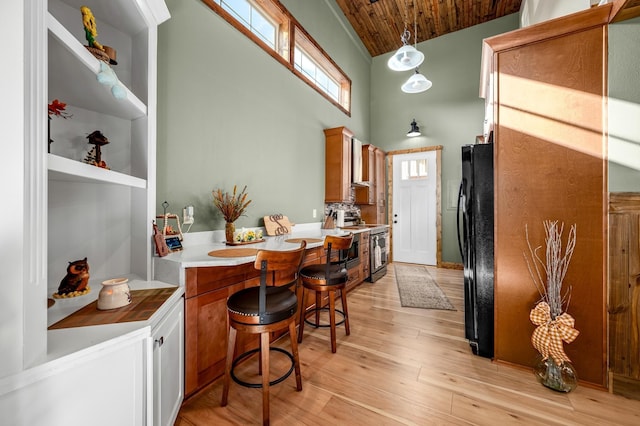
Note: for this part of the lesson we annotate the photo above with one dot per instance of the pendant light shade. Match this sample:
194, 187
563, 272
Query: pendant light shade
416, 83
405, 58
415, 130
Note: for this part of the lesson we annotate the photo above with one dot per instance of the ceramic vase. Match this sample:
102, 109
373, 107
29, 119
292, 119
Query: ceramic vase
561, 378
115, 293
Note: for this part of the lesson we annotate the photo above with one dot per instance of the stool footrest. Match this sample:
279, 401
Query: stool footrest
247, 354
313, 310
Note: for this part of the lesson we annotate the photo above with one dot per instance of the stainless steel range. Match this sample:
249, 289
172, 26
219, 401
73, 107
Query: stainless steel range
378, 253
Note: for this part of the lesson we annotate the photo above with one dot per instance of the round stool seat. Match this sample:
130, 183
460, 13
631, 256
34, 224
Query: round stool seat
317, 274
281, 303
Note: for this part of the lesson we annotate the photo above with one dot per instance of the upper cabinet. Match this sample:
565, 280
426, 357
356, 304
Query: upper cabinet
102, 213
338, 157
366, 194
377, 212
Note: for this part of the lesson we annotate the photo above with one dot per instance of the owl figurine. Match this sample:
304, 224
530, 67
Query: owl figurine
75, 283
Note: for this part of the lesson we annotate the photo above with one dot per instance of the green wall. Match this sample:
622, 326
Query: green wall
229, 114
450, 114
624, 106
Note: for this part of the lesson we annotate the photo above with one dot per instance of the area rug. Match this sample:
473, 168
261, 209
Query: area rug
418, 289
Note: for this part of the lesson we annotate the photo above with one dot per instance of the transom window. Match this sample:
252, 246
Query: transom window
272, 27
413, 169
253, 19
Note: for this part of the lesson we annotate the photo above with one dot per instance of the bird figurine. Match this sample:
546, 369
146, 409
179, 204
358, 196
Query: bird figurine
94, 156
75, 283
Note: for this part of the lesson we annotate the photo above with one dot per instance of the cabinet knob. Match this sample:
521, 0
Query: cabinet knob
160, 341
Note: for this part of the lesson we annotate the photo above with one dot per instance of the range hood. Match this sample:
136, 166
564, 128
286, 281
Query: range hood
356, 163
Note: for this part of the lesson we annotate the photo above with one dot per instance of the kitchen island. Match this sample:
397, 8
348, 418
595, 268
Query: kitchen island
210, 280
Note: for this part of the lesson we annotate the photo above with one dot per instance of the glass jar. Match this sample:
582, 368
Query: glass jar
559, 377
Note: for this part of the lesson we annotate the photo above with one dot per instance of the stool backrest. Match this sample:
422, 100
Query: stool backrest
283, 265
339, 243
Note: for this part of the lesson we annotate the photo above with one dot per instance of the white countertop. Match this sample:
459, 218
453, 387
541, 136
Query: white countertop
196, 247
61, 342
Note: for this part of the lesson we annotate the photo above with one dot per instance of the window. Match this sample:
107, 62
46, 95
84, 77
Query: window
316, 67
413, 169
252, 19
270, 25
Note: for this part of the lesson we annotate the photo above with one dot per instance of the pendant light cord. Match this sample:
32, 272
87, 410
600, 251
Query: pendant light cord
406, 34
415, 26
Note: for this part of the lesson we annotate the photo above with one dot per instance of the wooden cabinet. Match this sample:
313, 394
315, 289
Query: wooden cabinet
367, 194
207, 290
365, 256
550, 97
624, 294
377, 212
337, 173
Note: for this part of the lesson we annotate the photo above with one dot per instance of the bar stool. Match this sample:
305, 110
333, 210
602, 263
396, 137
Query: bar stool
329, 277
262, 310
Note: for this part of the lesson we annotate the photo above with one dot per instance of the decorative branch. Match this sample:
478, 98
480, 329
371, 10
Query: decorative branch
554, 266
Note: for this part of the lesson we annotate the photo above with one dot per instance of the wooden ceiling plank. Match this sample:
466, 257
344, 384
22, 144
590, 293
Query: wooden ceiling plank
380, 24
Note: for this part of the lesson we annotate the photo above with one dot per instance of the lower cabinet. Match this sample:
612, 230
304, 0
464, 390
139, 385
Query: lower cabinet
365, 255
168, 361
132, 377
624, 294
207, 290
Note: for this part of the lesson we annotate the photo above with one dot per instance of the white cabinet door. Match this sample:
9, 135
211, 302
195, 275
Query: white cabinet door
168, 366
103, 385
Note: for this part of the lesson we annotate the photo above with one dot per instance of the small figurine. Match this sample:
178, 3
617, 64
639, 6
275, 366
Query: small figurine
94, 156
101, 52
76, 282
90, 30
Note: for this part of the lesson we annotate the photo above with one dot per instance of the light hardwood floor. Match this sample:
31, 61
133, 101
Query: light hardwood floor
405, 366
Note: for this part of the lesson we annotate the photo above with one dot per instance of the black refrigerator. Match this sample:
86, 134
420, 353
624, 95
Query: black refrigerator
475, 239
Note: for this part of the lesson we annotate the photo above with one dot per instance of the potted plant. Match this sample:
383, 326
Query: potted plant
232, 206
554, 324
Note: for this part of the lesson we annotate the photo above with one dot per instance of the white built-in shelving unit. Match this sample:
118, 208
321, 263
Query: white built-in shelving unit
104, 215
74, 210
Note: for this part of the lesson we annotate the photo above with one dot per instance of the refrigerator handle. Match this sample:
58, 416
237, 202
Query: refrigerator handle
458, 220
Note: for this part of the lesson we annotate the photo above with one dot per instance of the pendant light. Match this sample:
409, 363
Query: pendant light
407, 57
415, 130
416, 83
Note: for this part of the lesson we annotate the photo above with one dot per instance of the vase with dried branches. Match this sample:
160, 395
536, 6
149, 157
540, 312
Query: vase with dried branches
554, 324
232, 206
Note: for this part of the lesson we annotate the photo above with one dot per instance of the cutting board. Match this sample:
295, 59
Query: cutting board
277, 224
144, 303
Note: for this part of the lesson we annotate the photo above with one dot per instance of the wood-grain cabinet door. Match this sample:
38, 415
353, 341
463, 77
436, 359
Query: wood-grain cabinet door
206, 336
550, 165
624, 294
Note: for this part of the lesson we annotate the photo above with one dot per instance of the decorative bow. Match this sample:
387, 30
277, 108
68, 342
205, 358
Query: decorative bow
548, 336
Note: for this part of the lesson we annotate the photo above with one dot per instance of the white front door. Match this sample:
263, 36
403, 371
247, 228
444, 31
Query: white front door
415, 208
